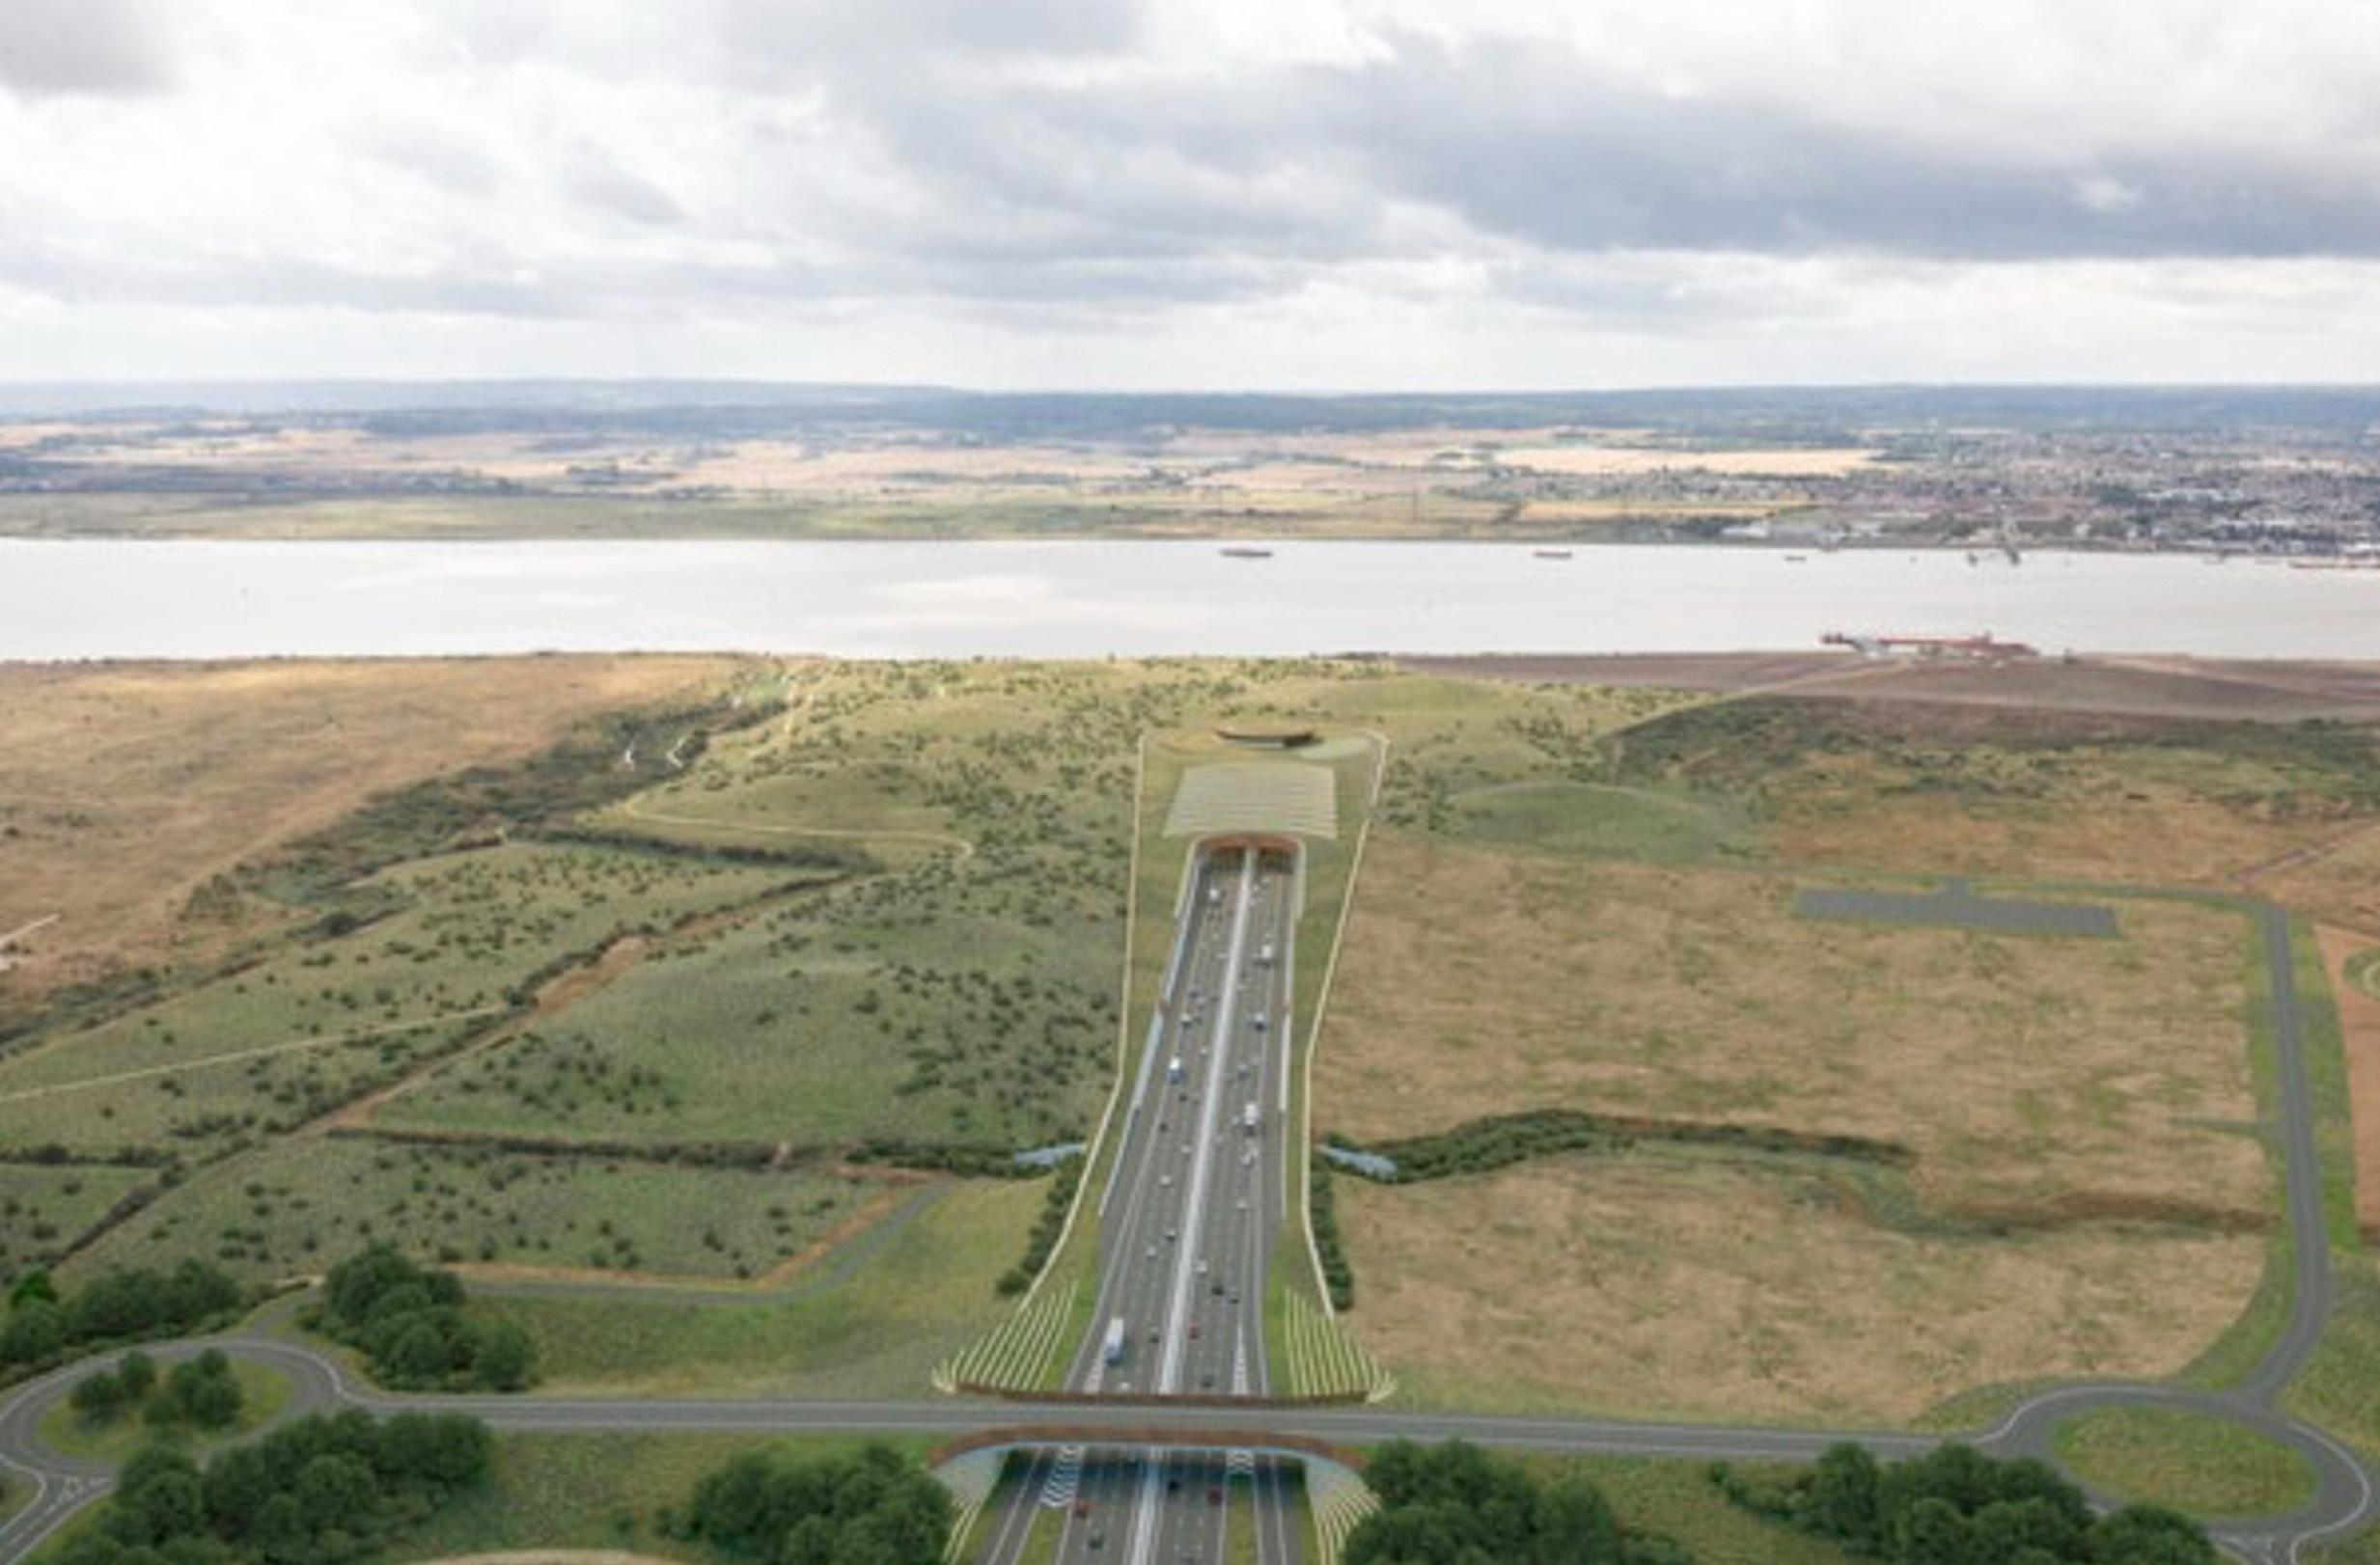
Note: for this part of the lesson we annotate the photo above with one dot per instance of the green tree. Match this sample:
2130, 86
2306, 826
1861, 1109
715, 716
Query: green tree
138, 1373
206, 1392
335, 1493
2149, 1535
1841, 1500
1931, 1531
35, 1332
97, 1397
505, 1360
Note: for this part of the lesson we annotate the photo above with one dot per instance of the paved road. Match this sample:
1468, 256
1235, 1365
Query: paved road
1188, 1220
2344, 1496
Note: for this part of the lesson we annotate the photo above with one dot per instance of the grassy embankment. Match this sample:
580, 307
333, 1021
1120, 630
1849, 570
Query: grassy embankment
2165, 1456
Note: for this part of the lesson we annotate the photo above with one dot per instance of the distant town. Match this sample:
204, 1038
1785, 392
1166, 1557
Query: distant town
2222, 472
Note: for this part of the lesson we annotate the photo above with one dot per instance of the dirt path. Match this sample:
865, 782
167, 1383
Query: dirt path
960, 846
180, 1066
2298, 858
2359, 1034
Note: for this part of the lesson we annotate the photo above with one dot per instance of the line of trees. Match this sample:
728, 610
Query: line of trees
1045, 1228
874, 1507
200, 1394
316, 1492
1455, 1504
409, 1324
1338, 1273
120, 1304
1501, 1140
1957, 1506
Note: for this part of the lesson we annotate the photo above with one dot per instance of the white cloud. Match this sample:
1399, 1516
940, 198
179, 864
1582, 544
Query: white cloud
1175, 192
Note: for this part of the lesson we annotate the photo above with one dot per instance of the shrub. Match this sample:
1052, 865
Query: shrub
409, 1322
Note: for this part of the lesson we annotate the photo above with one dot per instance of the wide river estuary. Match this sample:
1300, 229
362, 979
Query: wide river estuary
113, 598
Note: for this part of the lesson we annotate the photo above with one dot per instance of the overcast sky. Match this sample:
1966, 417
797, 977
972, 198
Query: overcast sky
1193, 193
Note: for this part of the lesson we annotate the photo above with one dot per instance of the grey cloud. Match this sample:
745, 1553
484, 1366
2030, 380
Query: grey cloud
82, 46
1550, 150
594, 180
1536, 145
445, 160
814, 35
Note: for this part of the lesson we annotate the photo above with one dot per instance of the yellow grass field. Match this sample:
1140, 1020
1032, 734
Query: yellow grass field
2027, 1075
123, 787
2075, 1109
2106, 816
1668, 1286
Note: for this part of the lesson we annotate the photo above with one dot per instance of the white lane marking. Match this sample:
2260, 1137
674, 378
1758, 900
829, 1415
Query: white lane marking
1202, 1159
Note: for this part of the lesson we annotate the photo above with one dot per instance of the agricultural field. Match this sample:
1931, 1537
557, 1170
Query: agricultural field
294, 1208
208, 766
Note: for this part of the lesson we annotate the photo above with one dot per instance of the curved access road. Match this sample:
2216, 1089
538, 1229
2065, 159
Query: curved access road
2345, 1496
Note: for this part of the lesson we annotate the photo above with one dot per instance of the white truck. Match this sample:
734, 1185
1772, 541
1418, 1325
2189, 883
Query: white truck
1113, 1349
1251, 1119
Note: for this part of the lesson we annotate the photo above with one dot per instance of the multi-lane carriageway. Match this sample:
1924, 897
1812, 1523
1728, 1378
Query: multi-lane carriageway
1188, 1220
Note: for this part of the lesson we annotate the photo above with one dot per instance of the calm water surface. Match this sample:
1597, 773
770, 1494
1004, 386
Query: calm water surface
111, 599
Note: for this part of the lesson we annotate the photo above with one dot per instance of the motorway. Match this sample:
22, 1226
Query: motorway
1188, 1220
1119, 1486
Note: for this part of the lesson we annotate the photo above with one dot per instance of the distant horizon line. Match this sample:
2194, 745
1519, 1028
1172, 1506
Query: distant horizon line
27, 384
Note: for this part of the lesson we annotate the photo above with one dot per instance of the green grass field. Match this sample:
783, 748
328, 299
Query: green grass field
878, 1331
263, 1393
873, 1012
295, 1207
597, 1491
44, 1208
326, 1018
1678, 1499
2165, 1456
